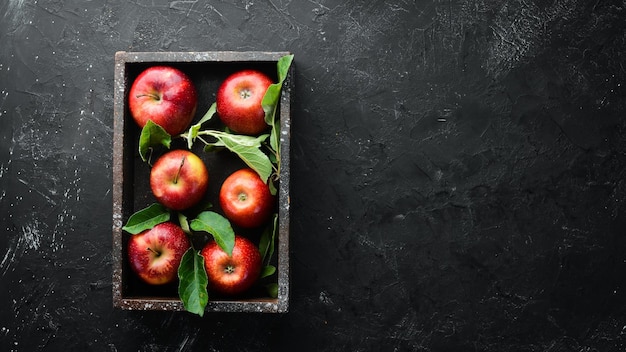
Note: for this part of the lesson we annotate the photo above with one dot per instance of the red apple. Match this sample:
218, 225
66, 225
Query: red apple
165, 95
155, 254
179, 179
231, 275
239, 101
245, 199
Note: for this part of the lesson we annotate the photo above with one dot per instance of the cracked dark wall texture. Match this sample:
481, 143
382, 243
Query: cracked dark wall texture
458, 174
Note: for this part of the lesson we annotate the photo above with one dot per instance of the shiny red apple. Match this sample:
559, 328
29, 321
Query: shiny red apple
165, 95
245, 199
232, 275
179, 179
155, 254
239, 101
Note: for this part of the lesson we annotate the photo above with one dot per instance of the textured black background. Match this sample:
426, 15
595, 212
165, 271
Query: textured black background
457, 174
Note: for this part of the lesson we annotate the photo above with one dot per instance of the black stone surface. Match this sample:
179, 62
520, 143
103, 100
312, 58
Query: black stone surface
457, 174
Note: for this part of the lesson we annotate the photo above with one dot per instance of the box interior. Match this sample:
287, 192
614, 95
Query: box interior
137, 194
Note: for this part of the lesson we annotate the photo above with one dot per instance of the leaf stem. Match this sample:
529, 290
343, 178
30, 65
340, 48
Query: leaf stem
203, 141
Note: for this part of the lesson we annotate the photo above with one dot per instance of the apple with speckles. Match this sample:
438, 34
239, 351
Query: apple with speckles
238, 101
179, 179
165, 95
155, 254
234, 274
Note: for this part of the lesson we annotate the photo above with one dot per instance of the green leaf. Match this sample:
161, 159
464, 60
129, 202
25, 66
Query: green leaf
194, 129
192, 282
272, 290
273, 242
152, 135
146, 219
272, 95
206, 205
274, 139
247, 148
272, 186
184, 224
273, 158
267, 271
218, 226
269, 102
191, 136
208, 115
271, 98
239, 139
266, 243
283, 66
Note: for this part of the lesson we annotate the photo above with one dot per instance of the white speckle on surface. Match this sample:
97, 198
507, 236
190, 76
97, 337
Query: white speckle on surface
325, 299
32, 235
9, 258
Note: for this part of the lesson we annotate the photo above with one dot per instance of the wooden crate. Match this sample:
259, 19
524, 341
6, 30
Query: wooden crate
131, 190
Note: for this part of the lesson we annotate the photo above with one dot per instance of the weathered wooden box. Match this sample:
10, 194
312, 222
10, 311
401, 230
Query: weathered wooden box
131, 190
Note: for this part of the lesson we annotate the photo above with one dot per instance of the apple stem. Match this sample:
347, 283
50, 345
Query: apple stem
153, 96
182, 162
153, 251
